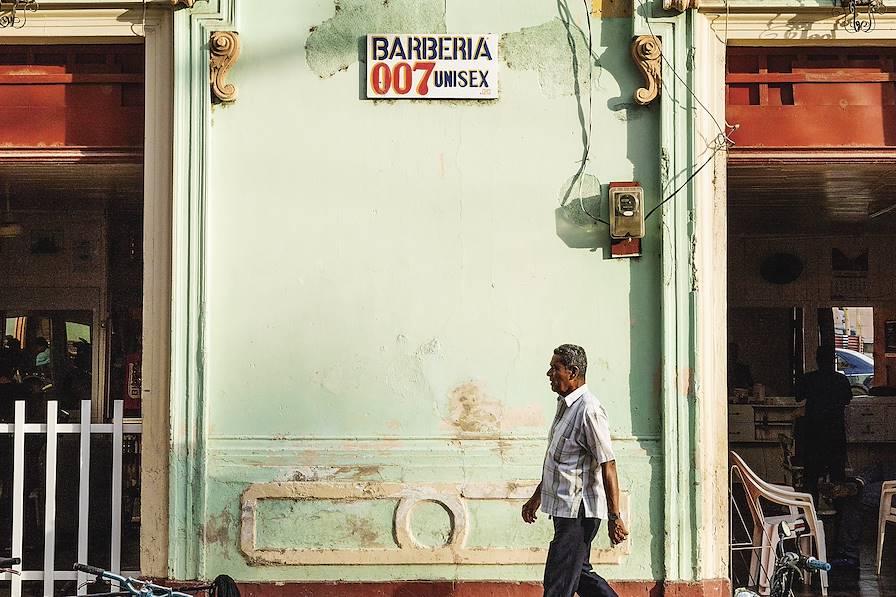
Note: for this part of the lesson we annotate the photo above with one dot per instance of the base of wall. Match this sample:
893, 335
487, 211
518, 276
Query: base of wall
628, 588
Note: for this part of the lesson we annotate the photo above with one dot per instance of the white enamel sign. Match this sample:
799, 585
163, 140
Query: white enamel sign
432, 66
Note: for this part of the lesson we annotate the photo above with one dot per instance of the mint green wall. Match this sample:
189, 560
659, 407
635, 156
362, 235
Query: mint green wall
385, 280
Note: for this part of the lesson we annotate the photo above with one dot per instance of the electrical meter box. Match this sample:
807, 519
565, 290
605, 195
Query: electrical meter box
626, 210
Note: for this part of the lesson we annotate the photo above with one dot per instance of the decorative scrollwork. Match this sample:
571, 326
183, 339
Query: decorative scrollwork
859, 15
647, 53
183, 3
680, 5
15, 13
224, 49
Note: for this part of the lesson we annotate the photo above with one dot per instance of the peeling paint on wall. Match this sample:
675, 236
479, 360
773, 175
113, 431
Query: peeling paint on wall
322, 473
472, 411
337, 43
546, 49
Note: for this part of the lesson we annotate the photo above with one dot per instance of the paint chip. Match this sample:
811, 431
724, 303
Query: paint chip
339, 42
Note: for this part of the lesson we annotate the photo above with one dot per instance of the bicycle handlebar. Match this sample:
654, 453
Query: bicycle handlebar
813, 564
133, 586
89, 569
7, 562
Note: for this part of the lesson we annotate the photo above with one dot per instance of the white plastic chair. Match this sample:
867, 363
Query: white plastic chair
887, 514
765, 537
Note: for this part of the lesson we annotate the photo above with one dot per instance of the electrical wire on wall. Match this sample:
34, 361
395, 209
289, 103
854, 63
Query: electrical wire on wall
722, 141
587, 125
587, 152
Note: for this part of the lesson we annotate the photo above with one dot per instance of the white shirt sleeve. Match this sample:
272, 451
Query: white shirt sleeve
597, 434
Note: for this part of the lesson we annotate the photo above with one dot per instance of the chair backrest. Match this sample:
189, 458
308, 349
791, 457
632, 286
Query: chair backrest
751, 488
888, 499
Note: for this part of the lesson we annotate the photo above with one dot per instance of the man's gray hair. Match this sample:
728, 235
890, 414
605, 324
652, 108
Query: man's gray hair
572, 355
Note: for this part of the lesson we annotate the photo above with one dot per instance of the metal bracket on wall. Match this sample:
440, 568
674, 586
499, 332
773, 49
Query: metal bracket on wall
224, 49
646, 52
680, 5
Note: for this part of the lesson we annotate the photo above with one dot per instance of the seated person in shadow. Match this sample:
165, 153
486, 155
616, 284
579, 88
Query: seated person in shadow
857, 499
826, 394
41, 353
739, 374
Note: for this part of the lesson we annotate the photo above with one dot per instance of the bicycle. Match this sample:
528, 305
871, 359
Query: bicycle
787, 565
222, 586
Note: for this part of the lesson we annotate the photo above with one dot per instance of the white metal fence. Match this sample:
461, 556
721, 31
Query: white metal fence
52, 430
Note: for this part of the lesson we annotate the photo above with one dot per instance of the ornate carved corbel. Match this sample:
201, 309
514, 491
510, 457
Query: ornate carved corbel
182, 3
224, 49
680, 5
646, 52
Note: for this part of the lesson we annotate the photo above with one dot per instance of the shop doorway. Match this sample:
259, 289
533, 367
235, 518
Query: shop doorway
71, 306
811, 265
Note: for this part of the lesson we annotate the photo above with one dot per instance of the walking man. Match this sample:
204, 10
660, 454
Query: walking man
578, 485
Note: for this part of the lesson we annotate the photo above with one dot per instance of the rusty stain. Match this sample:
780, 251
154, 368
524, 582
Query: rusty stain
217, 529
360, 528
472, 411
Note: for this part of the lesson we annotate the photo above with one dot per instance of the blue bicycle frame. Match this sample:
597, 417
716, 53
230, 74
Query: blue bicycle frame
131, 586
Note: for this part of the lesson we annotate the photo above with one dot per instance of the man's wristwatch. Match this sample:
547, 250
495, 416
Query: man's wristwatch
614, 516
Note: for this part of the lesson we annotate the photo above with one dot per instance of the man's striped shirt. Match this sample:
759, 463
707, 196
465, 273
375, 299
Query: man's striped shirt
579, 443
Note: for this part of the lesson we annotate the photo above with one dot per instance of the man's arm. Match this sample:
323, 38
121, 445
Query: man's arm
845, 391
530, 508
615, 528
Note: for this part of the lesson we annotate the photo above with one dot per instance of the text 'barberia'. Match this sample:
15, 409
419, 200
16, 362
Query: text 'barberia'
432, 66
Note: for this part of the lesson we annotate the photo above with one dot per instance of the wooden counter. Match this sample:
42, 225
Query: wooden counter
754, 432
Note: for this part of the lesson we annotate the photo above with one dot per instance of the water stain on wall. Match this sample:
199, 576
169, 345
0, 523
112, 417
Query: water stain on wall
334, 45
218, 529
472, 411
546, 50
360, 528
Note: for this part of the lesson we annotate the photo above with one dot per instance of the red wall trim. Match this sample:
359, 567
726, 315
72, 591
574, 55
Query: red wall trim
72, 95
813, 97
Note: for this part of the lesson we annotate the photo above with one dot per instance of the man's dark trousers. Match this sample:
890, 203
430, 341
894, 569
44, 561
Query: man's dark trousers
568, 568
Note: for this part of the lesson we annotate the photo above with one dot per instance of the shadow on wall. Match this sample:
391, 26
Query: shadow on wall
581, 220
581, 223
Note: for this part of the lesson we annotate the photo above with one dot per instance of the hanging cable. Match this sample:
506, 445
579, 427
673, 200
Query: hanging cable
587, 126
587, 152
683, 185
721, 141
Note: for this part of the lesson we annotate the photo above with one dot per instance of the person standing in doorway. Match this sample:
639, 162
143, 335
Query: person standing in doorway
579, 486
826, 394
